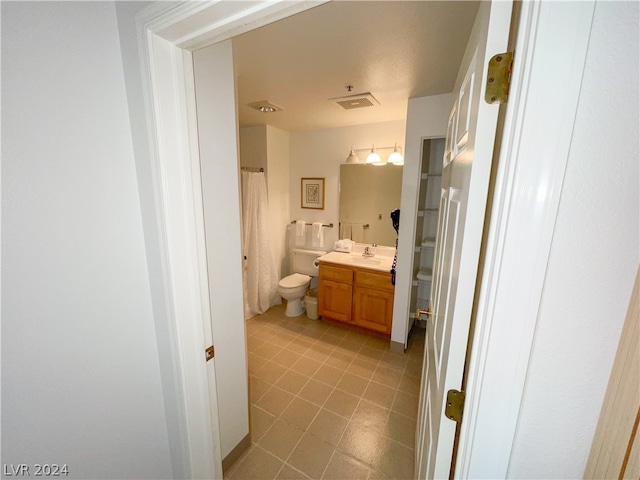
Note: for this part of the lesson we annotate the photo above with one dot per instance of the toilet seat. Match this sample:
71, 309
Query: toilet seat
294, 280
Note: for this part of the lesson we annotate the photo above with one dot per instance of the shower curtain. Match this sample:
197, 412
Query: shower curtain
261, 268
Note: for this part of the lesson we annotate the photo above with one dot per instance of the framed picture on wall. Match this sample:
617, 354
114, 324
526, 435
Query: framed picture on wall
312, 193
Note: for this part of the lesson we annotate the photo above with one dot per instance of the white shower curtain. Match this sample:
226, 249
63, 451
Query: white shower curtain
261, 268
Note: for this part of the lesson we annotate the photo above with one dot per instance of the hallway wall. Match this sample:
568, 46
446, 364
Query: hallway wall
80, 368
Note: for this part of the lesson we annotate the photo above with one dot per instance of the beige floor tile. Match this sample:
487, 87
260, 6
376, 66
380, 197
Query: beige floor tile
306, 366
289, 473
267, 350
341, 403
406, 404
371, 354
386, 376
349, 345
342, 467
311, 456
275, 401
329, 375
281, 438
401, 429
395, 460
285, 358
339, 360
300, 413
371, 415
394, 360
353, 384
254, 342
329, 338
316, 392
376, 475
257, 465
257, 388
410, 384
328, 426
319, 352
380, 394
414, 367
259, 422
377, 342
361, 442
254, 363
361, 367
270, 372
292, 382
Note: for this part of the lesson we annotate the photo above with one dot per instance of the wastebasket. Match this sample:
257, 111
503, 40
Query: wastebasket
311, 302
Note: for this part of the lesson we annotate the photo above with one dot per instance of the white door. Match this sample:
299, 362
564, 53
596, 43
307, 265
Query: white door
465, 181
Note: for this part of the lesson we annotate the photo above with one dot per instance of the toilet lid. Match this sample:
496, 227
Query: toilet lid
294, 280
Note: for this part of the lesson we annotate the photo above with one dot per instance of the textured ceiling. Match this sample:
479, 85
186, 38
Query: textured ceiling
394, 49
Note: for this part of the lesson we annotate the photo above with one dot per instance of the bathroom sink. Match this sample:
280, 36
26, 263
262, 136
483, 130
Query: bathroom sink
364, 260
380, 262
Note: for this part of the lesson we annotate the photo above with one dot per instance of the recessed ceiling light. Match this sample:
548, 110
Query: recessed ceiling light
265, 107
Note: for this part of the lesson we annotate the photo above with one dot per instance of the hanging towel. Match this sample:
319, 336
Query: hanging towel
317, 235
300, 233
345, 230
357, 232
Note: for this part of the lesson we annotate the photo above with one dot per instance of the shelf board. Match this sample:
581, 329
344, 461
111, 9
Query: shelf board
424, 275
429, 210
428, 242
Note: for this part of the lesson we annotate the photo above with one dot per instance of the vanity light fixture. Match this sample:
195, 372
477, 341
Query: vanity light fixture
353, 156
373, 158
396, 157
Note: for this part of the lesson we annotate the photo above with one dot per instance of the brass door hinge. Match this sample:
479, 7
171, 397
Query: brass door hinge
499, 78
455, 405
209, 353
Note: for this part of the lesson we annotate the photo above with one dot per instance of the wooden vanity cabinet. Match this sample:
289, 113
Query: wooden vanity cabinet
336, 292
357, 296
373, 300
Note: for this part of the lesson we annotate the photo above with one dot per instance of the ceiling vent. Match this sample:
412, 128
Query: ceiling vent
356, 101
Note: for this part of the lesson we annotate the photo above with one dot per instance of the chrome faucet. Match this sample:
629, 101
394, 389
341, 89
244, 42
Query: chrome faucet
370, 251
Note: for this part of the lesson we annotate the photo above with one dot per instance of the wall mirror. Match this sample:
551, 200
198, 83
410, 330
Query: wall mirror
368, 194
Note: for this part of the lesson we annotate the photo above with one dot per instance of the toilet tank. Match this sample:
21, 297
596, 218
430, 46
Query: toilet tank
303, 261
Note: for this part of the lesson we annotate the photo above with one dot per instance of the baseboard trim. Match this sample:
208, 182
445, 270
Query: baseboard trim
236, 453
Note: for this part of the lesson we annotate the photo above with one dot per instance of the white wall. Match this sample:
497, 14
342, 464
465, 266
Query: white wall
253, 151
278, 166
594, 257
213, 71
319, 153
80, 368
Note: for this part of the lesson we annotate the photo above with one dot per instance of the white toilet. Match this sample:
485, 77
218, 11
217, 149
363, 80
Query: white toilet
293, 287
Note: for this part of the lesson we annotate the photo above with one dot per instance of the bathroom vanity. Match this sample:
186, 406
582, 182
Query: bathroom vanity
356, 290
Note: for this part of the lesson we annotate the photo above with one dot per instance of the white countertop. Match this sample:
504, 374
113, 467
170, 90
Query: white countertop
378, 262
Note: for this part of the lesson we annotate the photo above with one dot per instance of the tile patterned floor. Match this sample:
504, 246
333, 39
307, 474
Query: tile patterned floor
328, 402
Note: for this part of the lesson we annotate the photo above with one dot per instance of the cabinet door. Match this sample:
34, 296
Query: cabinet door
334, 300
373, 308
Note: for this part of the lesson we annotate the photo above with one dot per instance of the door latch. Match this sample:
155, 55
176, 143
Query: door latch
209, 353
455, 405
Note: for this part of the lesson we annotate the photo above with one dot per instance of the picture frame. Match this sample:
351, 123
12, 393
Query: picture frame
312, 193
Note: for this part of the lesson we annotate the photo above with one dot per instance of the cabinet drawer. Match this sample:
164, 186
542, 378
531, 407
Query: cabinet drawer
381, 281
339, 274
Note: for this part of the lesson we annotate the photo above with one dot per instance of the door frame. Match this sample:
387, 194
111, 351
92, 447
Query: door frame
532, 158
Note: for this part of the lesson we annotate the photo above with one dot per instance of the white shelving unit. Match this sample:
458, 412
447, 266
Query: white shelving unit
426, 223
